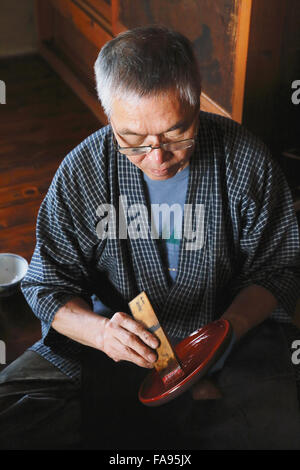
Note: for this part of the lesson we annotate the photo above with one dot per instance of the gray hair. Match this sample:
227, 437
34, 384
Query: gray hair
146, 61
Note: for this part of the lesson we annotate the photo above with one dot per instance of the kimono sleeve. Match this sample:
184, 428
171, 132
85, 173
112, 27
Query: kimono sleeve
58, 270
269, 236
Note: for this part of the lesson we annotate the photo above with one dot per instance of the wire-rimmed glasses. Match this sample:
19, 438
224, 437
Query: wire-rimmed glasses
145, 149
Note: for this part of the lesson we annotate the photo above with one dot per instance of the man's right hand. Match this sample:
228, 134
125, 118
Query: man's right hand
124, 339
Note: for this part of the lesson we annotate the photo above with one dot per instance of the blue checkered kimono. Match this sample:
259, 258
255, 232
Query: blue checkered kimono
250, 237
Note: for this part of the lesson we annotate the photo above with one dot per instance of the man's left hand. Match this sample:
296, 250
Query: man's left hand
205, 389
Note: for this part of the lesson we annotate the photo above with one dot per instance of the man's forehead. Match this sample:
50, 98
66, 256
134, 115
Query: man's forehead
181, 124
162, 114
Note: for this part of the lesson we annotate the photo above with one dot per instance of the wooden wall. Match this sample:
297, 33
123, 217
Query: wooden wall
248, 52
18, 33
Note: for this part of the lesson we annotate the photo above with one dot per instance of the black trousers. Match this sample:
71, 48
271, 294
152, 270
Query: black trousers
41, 408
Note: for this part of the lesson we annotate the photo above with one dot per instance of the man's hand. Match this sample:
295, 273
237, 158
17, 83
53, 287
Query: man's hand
124, 339
250, 308
205, 389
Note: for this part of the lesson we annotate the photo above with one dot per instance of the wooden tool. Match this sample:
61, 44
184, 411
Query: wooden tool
167, 364
176, 370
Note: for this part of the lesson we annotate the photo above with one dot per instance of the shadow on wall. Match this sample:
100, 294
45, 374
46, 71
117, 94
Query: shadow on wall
18, 33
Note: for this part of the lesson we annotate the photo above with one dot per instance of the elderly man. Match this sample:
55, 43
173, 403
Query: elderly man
97, 248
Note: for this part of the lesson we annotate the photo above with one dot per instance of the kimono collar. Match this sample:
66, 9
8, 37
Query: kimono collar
150, 274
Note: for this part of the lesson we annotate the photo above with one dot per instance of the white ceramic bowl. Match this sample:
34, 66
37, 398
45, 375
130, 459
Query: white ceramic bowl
13, 269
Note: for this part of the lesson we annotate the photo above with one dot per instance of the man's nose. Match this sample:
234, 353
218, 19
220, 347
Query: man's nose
157, 155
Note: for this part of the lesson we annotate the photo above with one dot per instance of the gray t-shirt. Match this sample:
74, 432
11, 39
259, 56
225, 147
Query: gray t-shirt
167, 219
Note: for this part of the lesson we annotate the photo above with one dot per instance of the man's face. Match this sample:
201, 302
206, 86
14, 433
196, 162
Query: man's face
152, 121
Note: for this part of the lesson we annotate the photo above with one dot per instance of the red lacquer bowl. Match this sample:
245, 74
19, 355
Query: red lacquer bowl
197, 354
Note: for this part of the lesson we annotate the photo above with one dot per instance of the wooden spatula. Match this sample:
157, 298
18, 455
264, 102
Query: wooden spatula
167, 364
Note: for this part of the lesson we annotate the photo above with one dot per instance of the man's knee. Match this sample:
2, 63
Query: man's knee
39, 405
35, 420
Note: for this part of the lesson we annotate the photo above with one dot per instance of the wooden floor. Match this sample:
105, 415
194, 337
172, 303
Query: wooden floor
41, 122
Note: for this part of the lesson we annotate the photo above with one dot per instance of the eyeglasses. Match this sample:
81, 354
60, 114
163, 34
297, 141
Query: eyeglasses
144, 150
